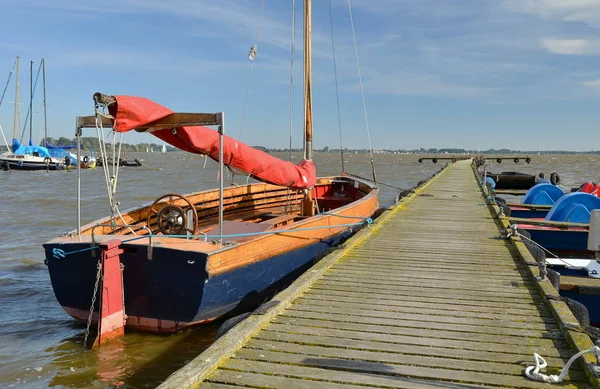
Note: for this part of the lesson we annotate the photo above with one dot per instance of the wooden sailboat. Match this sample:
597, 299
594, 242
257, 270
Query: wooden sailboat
192, 258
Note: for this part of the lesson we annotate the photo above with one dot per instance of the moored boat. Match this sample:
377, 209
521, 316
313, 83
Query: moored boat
513, 180
172, 281
29, 157
559, 240
190, 259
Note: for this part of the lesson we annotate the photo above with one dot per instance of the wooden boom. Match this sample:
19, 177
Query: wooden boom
173, 120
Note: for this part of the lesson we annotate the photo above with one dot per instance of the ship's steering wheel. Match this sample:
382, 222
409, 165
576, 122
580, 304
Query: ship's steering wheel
172, 219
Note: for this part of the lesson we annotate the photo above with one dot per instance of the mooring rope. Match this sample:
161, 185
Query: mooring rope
533, 372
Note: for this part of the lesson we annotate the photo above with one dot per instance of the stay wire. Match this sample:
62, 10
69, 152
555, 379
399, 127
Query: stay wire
337, 94
7, 82
253, 50
362, 92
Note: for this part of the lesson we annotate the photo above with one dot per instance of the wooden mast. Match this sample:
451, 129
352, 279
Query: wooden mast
308, 128
307, 203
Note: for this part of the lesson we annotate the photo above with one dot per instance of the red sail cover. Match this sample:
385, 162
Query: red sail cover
131, 112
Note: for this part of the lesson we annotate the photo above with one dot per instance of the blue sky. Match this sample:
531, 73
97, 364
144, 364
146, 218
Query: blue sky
474, 73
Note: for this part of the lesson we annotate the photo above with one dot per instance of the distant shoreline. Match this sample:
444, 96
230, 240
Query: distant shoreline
92, 142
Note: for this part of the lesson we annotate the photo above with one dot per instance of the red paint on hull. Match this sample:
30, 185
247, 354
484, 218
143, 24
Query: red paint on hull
138, 323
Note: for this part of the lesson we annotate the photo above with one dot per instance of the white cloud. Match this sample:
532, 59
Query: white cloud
591, 83
468, 49
586, 11
571, 46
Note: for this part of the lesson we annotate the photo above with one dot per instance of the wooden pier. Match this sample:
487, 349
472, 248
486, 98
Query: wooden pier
430, 295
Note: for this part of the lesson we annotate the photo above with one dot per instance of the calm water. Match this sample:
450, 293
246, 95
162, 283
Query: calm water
41, 346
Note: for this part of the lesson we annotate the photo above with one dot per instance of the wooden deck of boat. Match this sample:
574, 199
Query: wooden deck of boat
429, 296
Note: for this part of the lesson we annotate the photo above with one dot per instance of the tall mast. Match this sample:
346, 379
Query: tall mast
16, 119
308, 205
308, 127
30, 100
44, 85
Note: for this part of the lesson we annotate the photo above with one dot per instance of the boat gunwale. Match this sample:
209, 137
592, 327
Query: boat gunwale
72, 237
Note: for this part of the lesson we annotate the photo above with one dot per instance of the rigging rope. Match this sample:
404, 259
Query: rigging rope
7, 82
337, 94
362, 92
251, 56
110, 180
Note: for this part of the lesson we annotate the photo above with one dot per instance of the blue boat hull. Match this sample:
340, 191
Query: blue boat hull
528, 213
174, 286
555, 239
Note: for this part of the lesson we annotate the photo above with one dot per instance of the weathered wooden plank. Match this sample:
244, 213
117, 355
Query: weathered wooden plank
418, 266
409, 292
236, 379
470, 292
490, 267
424, 241
416, 357
477, 281
359, 331
417, 321
437, 316
422, 309
335, 366
431, 254
212, 385
414, 345
449, 305
298, 377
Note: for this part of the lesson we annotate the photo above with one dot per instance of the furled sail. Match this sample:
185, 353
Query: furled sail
130, 112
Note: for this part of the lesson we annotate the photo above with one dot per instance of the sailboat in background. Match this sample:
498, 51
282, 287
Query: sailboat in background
164, 148
29, 157
193, 258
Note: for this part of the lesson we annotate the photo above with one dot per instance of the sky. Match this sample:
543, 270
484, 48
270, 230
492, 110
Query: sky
520, 74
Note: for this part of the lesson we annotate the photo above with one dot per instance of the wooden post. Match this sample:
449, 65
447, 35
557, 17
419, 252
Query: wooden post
111, 323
